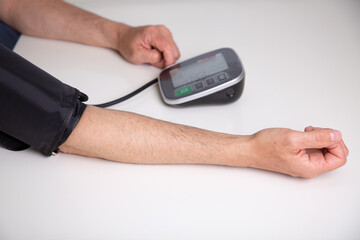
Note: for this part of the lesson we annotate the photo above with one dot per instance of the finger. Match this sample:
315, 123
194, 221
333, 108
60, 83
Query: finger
335, 157
165, 29
337, 149
151, 56
176, 48
309, 129
168, 33
317, 138
319, 128
342, 144
166, 46
324, 162
160, 64
176, 51
344, 147
166, 49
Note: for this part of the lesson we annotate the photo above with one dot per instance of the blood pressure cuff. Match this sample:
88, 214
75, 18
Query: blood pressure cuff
36, 109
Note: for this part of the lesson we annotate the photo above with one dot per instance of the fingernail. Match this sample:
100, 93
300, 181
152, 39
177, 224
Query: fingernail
335, 136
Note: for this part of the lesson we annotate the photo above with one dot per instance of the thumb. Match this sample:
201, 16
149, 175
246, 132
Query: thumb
318, 138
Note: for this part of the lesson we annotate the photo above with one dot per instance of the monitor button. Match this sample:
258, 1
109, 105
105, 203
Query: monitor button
222, 77
184, 91
210, 81
199, 85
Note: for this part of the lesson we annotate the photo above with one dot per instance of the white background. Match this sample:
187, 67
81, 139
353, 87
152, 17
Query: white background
302, 62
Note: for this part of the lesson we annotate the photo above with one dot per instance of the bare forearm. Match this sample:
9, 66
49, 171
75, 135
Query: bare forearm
128, 137
60, 20
132, 138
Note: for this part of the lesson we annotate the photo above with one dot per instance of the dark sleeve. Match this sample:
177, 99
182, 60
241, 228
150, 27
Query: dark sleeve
8, 35
36, 109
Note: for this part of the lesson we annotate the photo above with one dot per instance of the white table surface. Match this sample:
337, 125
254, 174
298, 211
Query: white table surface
302, 62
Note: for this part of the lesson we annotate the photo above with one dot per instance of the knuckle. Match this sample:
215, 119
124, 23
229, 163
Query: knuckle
164, 28
291, 139
151, 29
155, 58
161, 26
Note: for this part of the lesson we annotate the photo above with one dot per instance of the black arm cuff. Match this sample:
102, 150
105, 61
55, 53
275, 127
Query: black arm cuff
36, 109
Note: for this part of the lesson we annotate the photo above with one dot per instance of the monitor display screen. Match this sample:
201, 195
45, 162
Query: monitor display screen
200, 69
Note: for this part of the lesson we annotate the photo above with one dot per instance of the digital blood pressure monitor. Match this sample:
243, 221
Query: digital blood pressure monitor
214, 77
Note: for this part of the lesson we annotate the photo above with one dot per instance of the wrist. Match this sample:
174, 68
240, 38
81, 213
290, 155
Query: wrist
239, 151
113, 32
